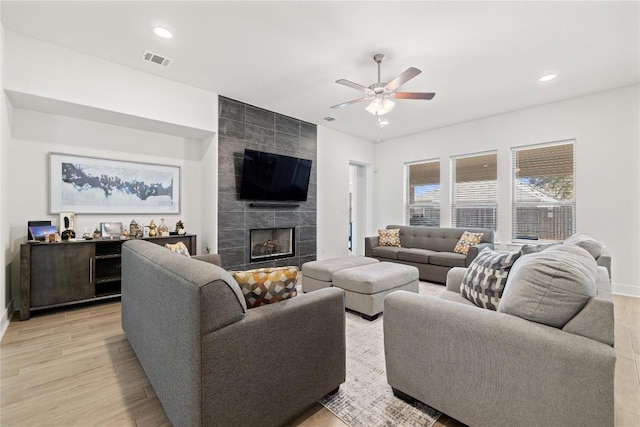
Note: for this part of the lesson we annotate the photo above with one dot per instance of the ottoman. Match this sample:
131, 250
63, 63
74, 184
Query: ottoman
366, 286
318, 274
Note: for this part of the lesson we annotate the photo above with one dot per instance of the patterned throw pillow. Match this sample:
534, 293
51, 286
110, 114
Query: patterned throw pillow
179, 248
484, 281
267, 285
389, 237
466, 241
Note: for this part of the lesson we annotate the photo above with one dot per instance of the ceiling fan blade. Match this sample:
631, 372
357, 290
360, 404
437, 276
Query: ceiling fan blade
355, 101
401, 79
355, 86
413, 95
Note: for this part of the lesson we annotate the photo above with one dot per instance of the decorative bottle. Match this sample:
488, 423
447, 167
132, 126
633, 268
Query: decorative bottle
163, 230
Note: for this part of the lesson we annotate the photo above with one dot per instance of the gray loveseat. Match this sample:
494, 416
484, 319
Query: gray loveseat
489, 368
430, 249
211, 361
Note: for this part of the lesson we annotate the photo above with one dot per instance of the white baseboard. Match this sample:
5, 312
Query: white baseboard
626, 290
4, 321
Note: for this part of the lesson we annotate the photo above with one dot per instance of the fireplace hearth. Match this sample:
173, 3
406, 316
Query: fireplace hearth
272, 243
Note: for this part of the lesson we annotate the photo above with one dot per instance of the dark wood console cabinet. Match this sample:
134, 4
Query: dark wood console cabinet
55, 274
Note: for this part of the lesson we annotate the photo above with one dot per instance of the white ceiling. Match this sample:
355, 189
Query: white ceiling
481, 58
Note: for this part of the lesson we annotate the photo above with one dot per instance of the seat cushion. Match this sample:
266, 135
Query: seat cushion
389, 252
454, 297
550, 287
448, 259
374, 278
323, 269
415, 255
484, 281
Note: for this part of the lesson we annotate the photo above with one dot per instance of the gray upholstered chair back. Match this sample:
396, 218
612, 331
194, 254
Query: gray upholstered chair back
436, 238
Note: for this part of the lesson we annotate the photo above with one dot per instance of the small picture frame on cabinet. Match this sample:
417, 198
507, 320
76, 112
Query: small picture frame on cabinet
67, 221
111, 230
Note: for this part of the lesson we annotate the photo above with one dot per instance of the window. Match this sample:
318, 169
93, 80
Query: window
544, 205
475, 191
423, 193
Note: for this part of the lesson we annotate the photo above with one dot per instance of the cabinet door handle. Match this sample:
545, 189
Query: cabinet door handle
90, 271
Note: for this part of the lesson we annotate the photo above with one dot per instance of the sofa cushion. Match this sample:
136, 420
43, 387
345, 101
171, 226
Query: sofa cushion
534, 249
389, 252
448, 259
267, 285
374, 278
323, 270
586, 242
484, 281
466, 241
415, 255
179, 248
454, 297
550, 287
389, 237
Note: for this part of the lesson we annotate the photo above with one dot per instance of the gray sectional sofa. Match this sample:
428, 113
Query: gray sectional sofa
430, 249
212, 361
509, 367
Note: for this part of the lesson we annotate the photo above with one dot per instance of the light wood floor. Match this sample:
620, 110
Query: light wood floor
75, 367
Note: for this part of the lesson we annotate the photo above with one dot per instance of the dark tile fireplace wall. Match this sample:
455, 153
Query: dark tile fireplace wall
243, 126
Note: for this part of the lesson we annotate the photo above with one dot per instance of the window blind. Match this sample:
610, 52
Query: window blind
543, 191
423, 193
475, 191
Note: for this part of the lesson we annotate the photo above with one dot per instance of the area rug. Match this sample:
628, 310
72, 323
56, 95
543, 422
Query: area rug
365, 399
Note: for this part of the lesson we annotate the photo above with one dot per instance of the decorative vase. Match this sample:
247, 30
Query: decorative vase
133, 228
163, 230
152, 229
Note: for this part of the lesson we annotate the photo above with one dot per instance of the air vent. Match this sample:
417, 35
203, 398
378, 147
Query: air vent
329, 119
156, 59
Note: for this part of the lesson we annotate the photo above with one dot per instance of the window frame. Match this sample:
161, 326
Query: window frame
434, 206
539, 204
482, 205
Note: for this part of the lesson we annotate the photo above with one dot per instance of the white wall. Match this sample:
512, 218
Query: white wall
5, 295
335, 151
135, 116
36, 134
51, 72
606, 127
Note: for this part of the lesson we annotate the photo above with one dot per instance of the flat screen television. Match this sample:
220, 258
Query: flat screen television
270, 176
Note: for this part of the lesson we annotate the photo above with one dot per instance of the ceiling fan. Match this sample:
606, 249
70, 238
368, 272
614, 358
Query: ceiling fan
382, 94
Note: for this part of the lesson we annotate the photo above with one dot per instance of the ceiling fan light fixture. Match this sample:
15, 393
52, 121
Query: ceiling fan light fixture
380, 106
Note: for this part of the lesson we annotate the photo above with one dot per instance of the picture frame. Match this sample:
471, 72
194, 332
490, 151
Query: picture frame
111, 230
72, 221
92, 185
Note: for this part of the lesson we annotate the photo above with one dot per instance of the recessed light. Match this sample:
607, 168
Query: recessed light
547, 77
162, 32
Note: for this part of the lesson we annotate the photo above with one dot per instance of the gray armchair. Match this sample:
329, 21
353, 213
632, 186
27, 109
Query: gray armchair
212, 361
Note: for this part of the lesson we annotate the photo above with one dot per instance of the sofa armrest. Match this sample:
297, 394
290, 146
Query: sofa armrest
604, 260
454, 279
474, 251
468, 354
210, 258
370, 243
293, 349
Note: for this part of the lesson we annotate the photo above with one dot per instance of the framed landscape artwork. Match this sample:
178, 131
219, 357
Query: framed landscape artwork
89, 185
